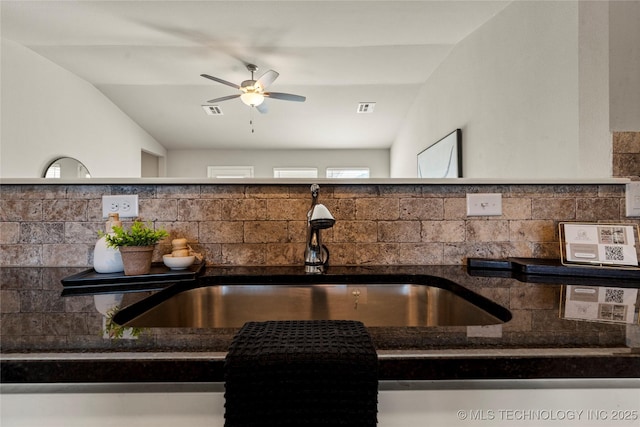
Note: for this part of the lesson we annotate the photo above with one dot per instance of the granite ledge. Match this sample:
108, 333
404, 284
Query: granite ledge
398, 365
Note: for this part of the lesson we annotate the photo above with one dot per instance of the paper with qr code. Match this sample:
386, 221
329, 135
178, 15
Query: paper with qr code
601, 244
600, 304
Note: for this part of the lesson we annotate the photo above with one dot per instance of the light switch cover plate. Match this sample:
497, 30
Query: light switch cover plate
632, 193
484, 204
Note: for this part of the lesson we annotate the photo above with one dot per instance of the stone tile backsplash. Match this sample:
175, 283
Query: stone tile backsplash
57, 225
626, 154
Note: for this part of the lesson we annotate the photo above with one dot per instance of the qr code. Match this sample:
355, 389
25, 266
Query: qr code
613, 253
614, 295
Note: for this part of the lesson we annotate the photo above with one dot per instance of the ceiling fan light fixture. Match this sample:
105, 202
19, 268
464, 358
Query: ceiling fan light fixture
252, 99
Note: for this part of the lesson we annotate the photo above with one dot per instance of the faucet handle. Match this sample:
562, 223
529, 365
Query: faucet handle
315, 189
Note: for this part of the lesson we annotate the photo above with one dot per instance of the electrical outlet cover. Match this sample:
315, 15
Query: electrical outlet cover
126, 205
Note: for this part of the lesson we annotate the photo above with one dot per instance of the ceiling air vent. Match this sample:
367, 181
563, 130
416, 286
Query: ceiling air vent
212, 110
366, 107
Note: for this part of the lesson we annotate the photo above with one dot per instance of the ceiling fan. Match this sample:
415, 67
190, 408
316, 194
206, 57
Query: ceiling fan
252, 92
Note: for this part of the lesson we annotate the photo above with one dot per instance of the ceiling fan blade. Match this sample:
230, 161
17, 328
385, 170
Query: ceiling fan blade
262, 108
224, 82
224, 98
285, 96
266, 79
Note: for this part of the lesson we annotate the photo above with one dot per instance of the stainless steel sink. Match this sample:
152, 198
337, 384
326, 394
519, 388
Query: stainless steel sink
388, 304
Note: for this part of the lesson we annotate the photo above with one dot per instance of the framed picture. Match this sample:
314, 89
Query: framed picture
443, 159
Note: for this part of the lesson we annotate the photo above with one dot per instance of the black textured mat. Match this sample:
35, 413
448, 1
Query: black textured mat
301, 373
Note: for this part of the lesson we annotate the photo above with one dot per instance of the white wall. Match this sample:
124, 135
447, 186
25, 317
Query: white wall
476, 406
48, 112
595, 149
193, 163
150, 165
522, 121
624, 18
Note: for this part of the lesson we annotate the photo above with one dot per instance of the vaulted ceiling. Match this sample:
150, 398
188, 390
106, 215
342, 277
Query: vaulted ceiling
147, 57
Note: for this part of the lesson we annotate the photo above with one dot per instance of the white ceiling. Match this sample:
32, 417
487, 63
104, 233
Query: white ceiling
147, 57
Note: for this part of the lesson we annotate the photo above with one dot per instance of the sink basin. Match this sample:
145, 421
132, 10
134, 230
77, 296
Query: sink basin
374, 304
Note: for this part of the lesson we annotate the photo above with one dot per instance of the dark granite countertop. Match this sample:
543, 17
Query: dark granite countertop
537, 343
458, 364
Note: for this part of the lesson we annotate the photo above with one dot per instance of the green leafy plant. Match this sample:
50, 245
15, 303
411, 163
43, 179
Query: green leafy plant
140, 234
115, 331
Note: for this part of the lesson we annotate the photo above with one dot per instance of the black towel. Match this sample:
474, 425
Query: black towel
301, 373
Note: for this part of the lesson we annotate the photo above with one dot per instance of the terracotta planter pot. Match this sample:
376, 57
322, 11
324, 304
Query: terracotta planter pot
136, 259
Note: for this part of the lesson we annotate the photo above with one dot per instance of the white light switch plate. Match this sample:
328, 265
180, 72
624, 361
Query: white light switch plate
632, 193
484, 204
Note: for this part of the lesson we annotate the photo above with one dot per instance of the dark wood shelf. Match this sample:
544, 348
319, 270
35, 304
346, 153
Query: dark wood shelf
90, 282
551, 270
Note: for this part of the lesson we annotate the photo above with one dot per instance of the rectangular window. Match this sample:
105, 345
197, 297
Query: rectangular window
229, 171
295, 172
347, 172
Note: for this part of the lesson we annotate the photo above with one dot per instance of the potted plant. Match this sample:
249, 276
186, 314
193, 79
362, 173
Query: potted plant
136, 246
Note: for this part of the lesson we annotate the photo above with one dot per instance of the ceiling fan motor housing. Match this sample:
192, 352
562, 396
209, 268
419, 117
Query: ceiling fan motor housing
248, 84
